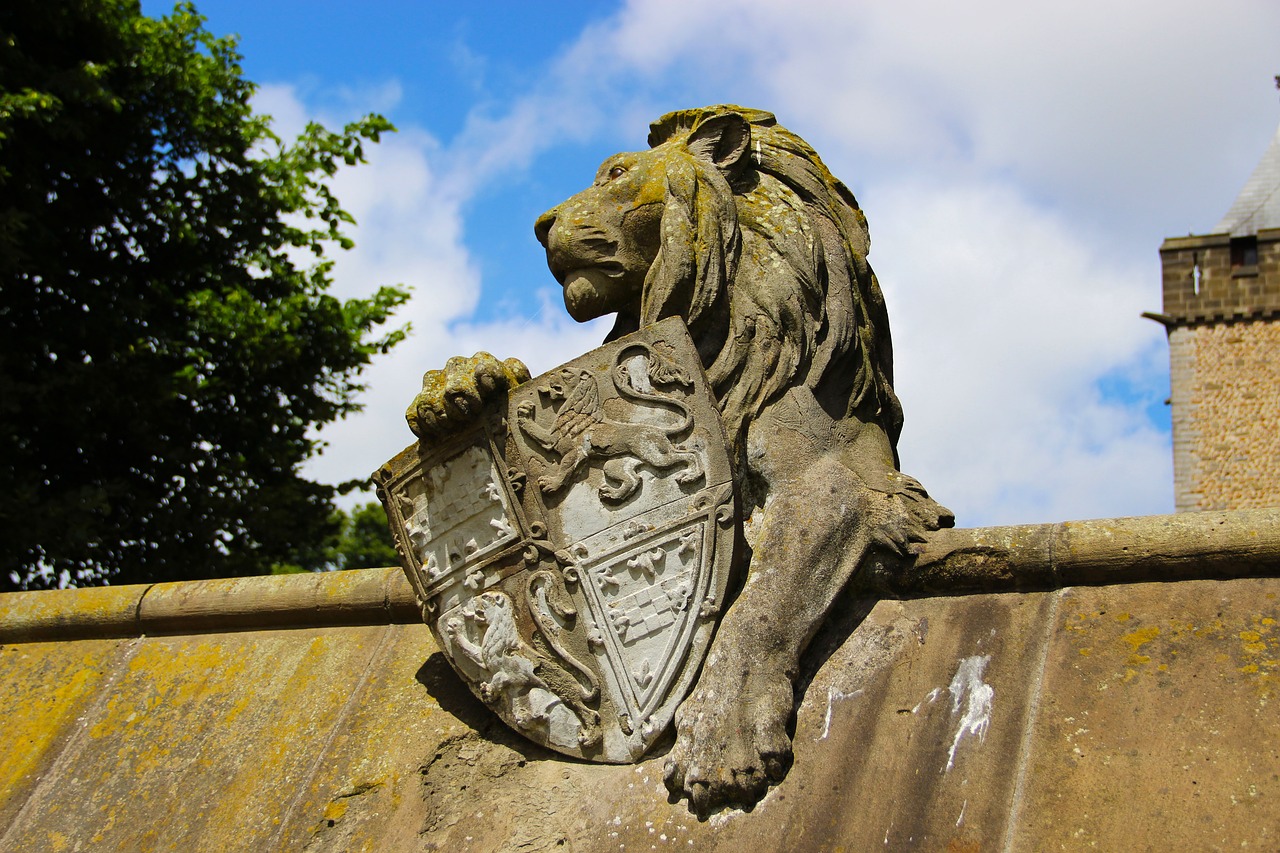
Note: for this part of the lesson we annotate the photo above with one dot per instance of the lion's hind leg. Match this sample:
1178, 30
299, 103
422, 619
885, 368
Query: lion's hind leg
692, 472
569, 690
660, 453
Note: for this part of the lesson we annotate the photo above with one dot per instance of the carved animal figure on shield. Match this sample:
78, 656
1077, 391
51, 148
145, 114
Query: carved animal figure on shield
582, 432
733, 222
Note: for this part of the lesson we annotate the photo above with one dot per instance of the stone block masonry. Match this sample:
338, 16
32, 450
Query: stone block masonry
1222, 312
1218, 277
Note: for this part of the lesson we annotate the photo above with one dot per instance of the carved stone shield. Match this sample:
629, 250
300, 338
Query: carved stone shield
571, 550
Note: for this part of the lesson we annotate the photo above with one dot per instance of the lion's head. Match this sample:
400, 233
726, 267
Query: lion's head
734, 223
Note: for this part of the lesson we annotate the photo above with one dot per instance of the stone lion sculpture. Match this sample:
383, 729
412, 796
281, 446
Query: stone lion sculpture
733, 223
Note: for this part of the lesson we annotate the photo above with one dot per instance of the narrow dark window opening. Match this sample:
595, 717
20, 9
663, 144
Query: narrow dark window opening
1244, 253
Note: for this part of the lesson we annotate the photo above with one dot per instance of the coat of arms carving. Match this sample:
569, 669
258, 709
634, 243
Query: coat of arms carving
571, 549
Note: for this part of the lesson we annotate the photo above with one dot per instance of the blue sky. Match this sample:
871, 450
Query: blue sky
1019, 165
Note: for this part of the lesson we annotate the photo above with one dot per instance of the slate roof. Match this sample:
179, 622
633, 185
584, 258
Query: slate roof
1258, 205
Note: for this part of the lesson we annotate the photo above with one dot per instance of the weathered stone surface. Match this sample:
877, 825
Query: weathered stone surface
1184, 546
180, 724
1157, 727
109, 611
370, 597
1226, 402
1134, 717
45, 691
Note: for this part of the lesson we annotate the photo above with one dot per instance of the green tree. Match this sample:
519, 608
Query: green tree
168, 339
363, 539
360, 540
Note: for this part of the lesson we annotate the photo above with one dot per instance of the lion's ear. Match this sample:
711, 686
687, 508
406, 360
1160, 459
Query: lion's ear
723, 140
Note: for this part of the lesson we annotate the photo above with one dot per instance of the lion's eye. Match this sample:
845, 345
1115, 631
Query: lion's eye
616, 172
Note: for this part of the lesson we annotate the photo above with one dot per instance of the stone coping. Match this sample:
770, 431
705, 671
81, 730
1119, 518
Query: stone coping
1157, 548
1151, 548
1209, 318
361, 597
1200, 241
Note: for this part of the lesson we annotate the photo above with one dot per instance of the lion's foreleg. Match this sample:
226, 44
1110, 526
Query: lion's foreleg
732, 740
564, 470
537, 433
811, 539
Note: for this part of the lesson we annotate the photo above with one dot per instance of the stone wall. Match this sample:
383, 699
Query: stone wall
1226, 286
1222, 310
310, 713
1225, 381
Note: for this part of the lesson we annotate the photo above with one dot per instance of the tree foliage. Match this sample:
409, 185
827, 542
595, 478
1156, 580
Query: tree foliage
363, 539
169, 343
360, 540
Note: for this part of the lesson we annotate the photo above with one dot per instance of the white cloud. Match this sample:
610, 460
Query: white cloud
408, 209
1004, 320
1142, 104
1019, 164
281, 101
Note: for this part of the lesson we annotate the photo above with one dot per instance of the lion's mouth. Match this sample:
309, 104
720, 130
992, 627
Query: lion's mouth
569, 255
566, 265
594, 291
609, 269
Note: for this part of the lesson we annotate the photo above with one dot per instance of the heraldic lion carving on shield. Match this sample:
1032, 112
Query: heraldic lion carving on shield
733, 223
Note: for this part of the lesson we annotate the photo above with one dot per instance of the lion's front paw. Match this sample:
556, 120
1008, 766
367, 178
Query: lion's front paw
452, 398
903, 515
731, 740
931, 514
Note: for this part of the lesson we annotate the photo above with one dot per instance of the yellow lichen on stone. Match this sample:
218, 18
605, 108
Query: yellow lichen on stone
45, 686
335, 810
1253, 642
1136, 640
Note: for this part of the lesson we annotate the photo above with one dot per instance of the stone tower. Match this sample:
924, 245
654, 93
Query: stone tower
1222, 314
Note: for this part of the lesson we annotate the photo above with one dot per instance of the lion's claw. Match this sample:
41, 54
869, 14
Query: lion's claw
454, 397
928, 513
731, 740
902, 516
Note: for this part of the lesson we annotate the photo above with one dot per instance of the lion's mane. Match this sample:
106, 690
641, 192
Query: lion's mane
768, 267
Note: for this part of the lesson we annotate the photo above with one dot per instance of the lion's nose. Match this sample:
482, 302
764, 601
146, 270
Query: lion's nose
542, 228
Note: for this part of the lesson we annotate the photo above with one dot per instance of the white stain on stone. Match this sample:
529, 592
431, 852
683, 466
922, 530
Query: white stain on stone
928, 700
834, 696
968, 689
